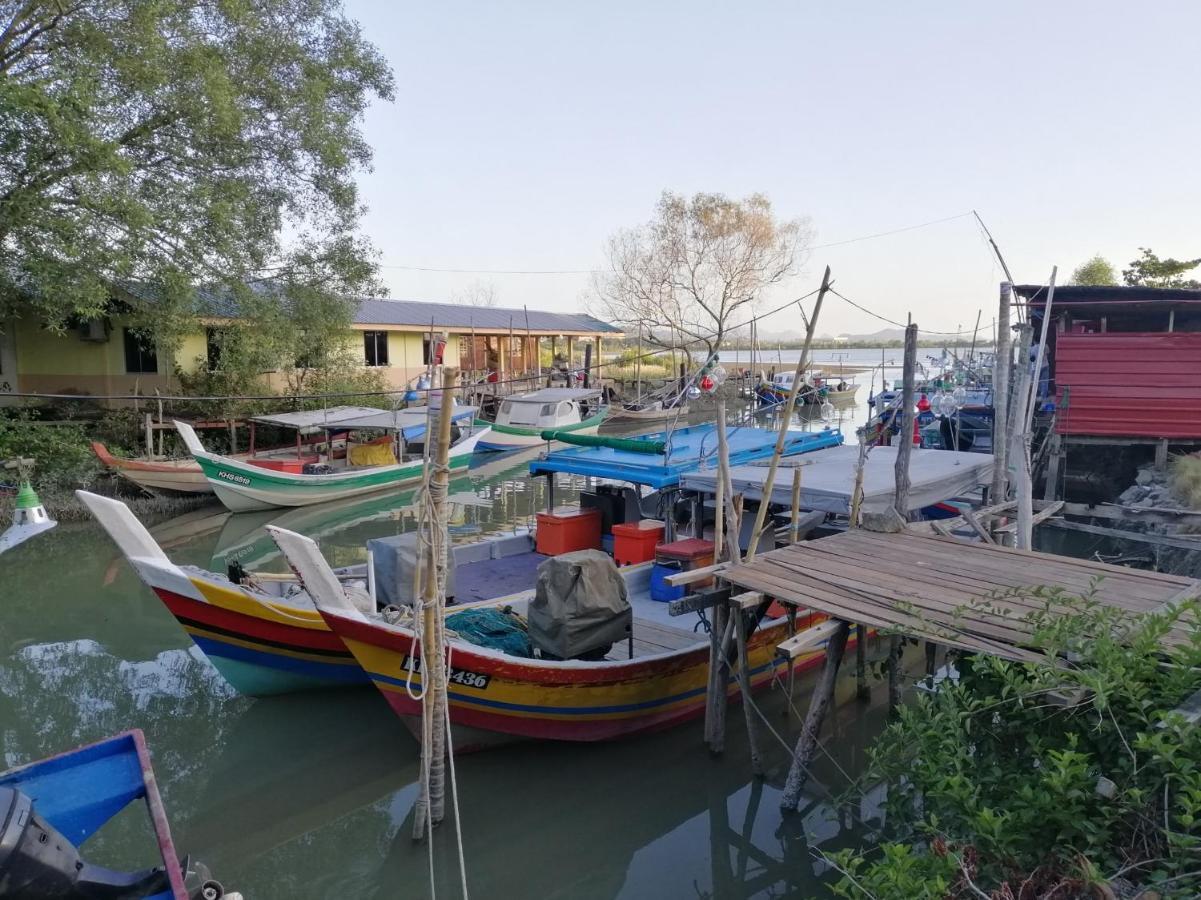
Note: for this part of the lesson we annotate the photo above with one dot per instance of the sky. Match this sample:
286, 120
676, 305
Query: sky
523, 134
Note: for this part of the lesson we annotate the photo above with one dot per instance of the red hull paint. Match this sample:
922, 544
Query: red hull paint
502, 726
204, 615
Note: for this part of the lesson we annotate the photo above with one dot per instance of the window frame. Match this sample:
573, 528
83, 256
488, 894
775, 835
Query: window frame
145, 354
374, 340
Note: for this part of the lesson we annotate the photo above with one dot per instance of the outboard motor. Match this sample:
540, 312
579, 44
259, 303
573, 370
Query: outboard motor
580, 607
38, 863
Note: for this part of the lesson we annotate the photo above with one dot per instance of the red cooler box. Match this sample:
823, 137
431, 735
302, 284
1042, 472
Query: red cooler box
567, 530
635, 542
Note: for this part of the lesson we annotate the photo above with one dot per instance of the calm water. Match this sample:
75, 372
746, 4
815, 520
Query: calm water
310, 796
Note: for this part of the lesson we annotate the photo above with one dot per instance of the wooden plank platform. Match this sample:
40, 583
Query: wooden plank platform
651, 639
970, 595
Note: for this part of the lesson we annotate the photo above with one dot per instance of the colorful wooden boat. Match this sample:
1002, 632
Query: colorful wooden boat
651, 411
520, 420
495, 698
181, 476
75, 794
263, 639
241, 485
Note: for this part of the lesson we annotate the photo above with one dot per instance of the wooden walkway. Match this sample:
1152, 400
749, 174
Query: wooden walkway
974, 596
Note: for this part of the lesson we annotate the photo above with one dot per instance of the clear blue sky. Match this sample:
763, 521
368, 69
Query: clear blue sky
523, 134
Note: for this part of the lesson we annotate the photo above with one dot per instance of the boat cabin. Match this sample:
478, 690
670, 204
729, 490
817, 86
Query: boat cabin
549, 408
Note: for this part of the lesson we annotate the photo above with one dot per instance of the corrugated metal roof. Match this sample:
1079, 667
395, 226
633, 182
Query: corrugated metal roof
221, 304
494, 318
1109, 295
1129, 384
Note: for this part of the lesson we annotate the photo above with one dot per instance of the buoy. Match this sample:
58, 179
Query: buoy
29, 518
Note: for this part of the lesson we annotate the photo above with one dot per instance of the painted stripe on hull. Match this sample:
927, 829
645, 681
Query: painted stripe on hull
259, 657
580, 702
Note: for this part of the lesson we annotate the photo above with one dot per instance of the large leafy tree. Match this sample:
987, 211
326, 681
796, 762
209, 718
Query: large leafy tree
179, 143
1096, 271
697, 268
1151, 271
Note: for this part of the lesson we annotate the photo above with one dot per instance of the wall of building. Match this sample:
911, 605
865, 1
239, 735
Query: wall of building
52, 363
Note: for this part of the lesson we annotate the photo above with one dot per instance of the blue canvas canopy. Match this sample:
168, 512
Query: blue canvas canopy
686, 450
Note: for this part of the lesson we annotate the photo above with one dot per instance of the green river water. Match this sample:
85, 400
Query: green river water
311, 795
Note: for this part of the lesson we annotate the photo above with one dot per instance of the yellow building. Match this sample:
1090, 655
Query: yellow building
107, 358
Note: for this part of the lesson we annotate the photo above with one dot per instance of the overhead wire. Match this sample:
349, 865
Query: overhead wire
470, 271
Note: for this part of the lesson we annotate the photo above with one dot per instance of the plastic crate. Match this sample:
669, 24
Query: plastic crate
635, 542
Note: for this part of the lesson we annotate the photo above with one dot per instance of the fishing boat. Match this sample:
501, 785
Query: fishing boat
365, 467
181, 476
843, 396
648, 411
777, 390
29, 516
185, 476
48, 808
653, 680
521, 419
264, 637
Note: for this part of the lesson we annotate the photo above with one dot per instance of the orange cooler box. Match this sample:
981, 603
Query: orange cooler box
568, 530
635, 542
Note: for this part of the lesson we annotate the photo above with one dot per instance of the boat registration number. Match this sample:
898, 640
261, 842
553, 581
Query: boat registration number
230, 476
457, 676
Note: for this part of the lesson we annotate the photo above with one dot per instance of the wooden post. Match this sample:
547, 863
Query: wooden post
723, 624
863, 690
1019, 447
795, 528
718, 622
1161, 455
587, 365
744, 687
797, 380
433, 604
931, 663
896, 647
905, 438
1000, 399
1054, 462
823, 694
149, 436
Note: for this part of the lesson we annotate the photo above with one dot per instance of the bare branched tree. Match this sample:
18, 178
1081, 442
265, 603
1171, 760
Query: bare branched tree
478, 293
698, 268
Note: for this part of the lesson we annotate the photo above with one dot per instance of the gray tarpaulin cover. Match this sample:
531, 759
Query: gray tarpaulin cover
580, 605
395, 558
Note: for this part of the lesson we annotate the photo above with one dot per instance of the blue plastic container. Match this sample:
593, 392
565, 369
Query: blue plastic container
660, 589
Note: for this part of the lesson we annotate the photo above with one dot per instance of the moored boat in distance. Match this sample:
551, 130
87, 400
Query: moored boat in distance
521, 419
366, 467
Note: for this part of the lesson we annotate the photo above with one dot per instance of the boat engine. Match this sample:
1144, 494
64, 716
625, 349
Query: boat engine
38, 863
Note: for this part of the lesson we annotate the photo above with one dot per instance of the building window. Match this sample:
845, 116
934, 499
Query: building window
141, 358
213, 340
375, 348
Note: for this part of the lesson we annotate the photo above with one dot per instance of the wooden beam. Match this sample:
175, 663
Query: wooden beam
694, 575
1160, 514
1048, 510
823, 695
1161, 540
698, 601
806, 640
747, 599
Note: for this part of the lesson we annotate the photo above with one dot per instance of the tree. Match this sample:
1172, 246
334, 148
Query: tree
1151, 271
1096, 271
478, 293
176, 144
697, 267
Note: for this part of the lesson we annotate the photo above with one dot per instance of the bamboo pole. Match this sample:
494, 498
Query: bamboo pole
789, 407
1019, 449
863, 690
795, 529
432, 799
1000, 399
723, 623
823, 694
901, 498
715, 626
1042, 350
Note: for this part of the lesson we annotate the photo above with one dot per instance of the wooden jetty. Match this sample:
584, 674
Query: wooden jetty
976, 597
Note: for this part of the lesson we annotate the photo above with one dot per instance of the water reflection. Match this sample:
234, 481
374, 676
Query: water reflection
310, 796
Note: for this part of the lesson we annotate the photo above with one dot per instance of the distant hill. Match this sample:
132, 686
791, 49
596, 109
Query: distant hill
884, 334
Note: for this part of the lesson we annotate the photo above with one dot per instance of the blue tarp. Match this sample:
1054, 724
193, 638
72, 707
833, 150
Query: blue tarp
688, 449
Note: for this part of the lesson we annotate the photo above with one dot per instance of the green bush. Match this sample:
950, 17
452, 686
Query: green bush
62, 453
1041, 775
